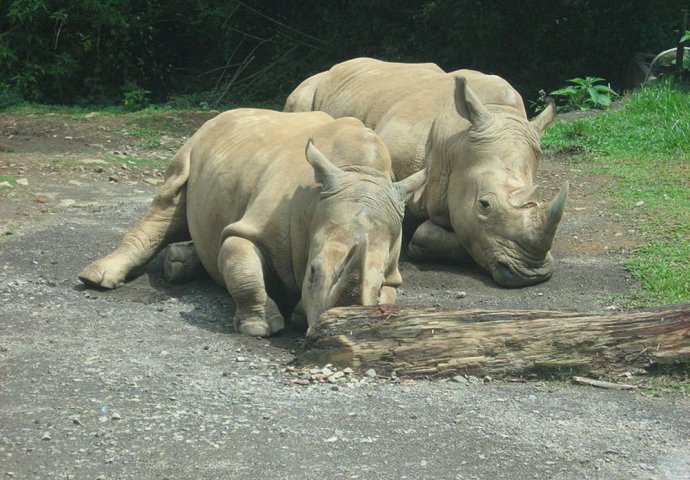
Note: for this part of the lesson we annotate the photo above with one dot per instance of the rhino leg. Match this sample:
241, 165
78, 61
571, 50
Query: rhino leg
164, 223
242, 266
181, 263
431, 242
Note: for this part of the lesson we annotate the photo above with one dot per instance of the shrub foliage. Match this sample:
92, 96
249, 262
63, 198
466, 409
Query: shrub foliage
231, 51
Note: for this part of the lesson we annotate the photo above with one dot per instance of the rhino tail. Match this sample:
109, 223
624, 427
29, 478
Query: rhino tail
176, 176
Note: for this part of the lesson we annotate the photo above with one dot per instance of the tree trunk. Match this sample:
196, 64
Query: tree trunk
424, 341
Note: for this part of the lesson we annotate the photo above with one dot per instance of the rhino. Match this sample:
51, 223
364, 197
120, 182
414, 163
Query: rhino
471, 132
327, 229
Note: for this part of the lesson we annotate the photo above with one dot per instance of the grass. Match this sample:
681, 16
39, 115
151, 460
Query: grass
10, 180
138, 162
148, 137
645, 148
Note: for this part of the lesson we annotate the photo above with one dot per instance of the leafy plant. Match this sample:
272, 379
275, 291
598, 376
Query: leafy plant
585, 93
685, 37
135, 98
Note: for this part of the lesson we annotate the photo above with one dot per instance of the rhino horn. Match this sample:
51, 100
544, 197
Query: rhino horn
350, 275
552, 214
469, 106
544, 119
325, 172
408, 186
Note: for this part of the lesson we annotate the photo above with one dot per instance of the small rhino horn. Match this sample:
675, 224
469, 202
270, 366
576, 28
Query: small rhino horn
553, 212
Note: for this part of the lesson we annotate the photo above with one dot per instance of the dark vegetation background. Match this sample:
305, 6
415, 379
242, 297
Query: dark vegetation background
192, 53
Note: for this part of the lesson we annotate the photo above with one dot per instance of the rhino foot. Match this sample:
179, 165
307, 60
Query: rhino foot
181, 263
265, 326
255, 327
102, 274
299, 317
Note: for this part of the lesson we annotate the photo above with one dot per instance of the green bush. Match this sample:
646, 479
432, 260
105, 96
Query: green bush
585, 93
259, 50
135, 98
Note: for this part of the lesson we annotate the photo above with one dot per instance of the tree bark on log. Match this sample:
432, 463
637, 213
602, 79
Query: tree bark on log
425, 341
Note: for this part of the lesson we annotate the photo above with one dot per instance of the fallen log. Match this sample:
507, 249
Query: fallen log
426, 341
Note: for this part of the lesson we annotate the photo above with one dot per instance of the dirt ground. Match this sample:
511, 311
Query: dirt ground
148, 381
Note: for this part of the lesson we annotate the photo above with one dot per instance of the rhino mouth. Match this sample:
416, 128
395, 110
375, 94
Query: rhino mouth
512, 274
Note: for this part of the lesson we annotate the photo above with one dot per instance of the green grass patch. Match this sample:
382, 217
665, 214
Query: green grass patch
138, 162
148, 137
644, 148
10, 180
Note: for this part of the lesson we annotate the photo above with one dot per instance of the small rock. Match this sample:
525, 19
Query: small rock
5, 185
638, 204
348, 371
461, 294
327, 371
91, 114
113, 178
67, 202
45, 437
75, 419
473, 380
76, 183
92, 161
335, 388
487, 379
115, 416
98, 169
42, 198
371, 373
23, 182
153, 181
335, 377
240, 359
460, 379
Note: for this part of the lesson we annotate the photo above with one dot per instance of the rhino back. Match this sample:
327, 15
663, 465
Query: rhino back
244, 172
401, 101
366, 89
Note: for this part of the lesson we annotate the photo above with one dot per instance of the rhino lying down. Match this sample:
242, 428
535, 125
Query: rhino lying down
241, 189
471, 132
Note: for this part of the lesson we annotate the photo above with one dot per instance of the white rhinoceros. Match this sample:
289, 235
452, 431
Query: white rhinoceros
471, 132
242, 190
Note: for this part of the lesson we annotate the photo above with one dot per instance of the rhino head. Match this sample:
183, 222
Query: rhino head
356, 236
491, 203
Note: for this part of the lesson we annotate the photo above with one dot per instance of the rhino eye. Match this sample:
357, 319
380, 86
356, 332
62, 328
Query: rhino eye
484, 205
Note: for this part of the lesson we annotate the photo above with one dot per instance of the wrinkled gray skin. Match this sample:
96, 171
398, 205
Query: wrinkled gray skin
471, 132
328, 228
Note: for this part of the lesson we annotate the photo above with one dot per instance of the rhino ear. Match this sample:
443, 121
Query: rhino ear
469, 106
408, 186
324, 171
544, 119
